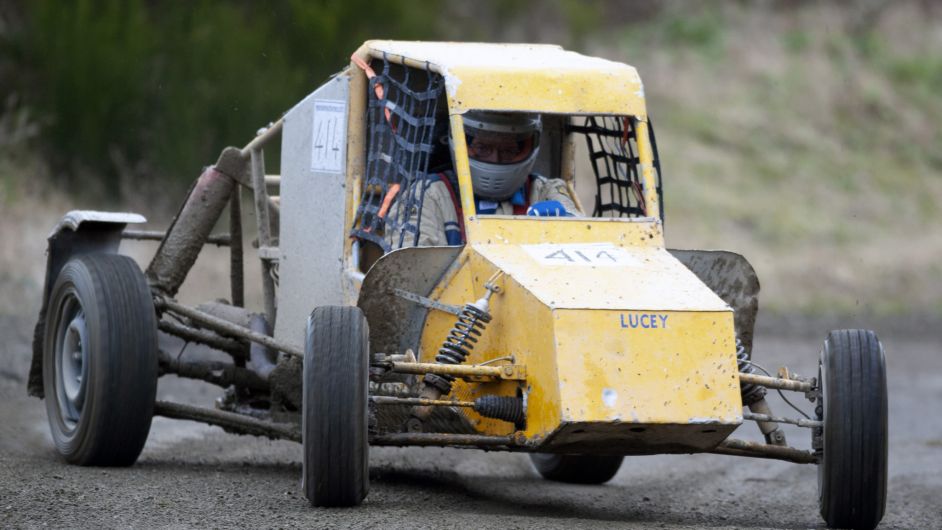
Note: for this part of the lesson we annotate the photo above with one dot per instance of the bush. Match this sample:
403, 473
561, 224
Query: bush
156, 90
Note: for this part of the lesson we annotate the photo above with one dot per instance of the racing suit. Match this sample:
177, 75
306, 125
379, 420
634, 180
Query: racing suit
442, 223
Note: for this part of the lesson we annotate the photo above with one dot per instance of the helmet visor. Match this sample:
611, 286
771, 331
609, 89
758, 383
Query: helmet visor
500, 147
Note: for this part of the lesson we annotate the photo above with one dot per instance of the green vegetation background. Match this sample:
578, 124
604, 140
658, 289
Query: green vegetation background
805, 135
155, 89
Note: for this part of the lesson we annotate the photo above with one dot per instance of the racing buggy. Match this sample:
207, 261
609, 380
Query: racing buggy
577, 339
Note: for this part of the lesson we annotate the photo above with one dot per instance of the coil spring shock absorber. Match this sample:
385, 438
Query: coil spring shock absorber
753, 396
750, 392
455, 350
461, 340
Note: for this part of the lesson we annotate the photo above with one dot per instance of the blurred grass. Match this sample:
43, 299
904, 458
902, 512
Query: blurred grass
805, 136
806, 140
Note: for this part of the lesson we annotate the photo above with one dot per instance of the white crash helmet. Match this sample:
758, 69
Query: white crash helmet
517, 137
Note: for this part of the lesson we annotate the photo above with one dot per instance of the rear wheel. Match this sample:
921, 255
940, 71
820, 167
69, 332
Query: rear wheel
334, 416
853, 440
100, 360
576, 469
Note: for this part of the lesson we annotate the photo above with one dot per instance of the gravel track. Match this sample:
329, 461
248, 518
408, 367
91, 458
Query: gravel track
191, 475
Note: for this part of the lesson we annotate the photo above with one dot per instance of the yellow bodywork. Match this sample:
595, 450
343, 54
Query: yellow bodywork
520, 77
511, 77
626, 350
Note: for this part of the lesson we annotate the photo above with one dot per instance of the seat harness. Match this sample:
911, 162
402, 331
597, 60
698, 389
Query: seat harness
455, 233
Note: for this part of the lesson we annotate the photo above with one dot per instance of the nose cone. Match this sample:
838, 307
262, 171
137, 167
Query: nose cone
626, 350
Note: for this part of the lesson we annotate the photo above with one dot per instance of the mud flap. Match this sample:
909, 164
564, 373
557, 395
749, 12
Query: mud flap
733, 279
396, 324
78, 232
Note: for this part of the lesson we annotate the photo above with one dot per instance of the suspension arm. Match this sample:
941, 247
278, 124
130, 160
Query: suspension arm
776, 452
517, 372
775, 382
229, 421
223, 326
801, 422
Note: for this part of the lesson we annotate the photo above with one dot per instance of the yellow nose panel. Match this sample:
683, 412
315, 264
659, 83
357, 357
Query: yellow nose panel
625, 350
646, 367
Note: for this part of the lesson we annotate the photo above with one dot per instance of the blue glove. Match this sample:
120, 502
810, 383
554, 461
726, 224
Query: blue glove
548, 209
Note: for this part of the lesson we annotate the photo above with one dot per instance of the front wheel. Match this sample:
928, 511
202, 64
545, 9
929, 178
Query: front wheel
100, 360
335, 408
576, 469
853, 439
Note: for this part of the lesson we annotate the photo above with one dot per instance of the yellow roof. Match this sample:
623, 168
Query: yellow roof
524, 77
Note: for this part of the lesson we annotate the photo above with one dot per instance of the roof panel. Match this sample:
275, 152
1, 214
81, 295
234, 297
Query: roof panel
530, 77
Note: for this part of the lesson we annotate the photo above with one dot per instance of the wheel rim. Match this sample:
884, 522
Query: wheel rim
71, 355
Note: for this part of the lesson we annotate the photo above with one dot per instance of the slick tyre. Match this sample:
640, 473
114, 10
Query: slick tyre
576, 469
334, 407
852, 471
100, 360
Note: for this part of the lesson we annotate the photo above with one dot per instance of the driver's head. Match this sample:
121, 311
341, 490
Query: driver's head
502, 148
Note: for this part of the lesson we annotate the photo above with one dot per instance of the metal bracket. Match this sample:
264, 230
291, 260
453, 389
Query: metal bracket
427, 302
269, 253
517, 372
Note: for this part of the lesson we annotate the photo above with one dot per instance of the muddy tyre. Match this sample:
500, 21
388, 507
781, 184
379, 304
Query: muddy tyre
335, 415
100, 360
853, 439
576, 469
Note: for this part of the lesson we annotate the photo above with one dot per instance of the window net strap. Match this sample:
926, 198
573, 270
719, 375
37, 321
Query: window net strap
401, 120
613, 149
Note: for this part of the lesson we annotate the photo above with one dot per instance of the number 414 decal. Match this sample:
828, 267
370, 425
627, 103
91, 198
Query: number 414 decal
581, 254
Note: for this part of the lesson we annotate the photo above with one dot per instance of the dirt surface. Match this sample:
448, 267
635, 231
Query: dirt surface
192, 475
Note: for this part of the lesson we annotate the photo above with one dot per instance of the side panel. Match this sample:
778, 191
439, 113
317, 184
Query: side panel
313, 200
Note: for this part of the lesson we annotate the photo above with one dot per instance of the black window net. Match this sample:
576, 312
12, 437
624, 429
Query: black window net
613, 152
401, 124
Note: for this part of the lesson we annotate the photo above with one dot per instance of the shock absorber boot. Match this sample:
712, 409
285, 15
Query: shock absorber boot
505, 408
438, 382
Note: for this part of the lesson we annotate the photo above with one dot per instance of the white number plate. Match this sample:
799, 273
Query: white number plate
581, 254
328, 135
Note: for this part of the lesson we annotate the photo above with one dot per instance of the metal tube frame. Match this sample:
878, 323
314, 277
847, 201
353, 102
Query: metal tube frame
247, 425
263, 222
392, 400
775, 382
220, 240
801, 422
736, 447
266, 134
233, 347
509, 371
223, 326
441, 440
229, 421
213, 372
236, 269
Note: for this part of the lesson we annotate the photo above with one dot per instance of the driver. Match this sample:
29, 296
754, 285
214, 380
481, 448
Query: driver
502, 149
